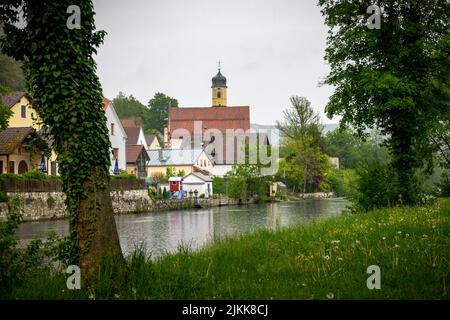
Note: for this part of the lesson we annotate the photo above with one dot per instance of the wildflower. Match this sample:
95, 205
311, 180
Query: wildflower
396, 246
358, 242
330, 295
399, 232
407, 235
340, 259
384, 238
335, 241
326, 257
91, 296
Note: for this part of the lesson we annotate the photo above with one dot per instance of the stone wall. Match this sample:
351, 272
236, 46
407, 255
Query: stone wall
50, 205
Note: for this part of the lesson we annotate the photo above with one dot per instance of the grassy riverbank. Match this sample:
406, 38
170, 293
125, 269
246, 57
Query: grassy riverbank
323, 260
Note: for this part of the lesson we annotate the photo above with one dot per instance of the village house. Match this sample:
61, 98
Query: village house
137, 160
134, 133
184, 160
18, 153
118, 138
152, 142
21, 157
197, 184
214, 122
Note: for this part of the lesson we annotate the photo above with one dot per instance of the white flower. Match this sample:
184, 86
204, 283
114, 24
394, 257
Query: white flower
384, 238
326, 257
396, 246
335, 241
399, 232
330, 295
340, 259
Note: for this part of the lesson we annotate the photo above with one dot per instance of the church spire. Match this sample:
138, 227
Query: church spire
219, 89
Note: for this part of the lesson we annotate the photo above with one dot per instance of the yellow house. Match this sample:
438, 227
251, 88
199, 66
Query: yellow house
15, 155
25, 116
187, 160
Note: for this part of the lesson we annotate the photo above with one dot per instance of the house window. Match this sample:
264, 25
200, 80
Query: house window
24, 111
112, 129
1, 166
115, 153
12, 168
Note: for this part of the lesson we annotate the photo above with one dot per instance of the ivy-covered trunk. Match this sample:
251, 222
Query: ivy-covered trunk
57, 47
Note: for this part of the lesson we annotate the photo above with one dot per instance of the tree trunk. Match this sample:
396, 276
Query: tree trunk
97, 235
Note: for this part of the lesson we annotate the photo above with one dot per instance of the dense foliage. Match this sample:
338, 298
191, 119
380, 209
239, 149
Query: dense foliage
60, 74
152, 118
395, 77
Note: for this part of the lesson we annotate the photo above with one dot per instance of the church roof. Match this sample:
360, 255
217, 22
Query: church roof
219, 81
219, 118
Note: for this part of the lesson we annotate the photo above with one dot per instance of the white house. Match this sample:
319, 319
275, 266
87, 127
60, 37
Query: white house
117, 136
135, 135
197, 181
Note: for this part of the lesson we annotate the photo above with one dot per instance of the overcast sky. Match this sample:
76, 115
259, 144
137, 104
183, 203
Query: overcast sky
270, 50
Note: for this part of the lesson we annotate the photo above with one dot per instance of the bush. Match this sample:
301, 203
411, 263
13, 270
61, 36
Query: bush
444, 185
124, 176
35, 175
343, 182
3, 196
219, 185
10, 176
376, 187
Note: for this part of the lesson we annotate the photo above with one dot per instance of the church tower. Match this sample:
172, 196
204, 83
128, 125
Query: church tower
219, 90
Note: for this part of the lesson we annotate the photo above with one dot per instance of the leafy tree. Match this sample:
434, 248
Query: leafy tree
130, 108
303, 142
158, 107
60, 72
5, 111
395, 77
11, 74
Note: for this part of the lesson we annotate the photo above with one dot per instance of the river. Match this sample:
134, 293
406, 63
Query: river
165, 231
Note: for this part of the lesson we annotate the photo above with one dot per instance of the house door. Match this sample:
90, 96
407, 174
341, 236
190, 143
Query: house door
23, 167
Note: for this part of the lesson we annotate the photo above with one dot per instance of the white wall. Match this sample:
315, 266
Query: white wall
192, 182
219, 170
118, 140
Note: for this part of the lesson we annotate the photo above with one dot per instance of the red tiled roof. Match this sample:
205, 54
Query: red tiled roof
149, 138
133, 152
106, 104
220, 118
11, 99
10, 138
128, 123
132, 134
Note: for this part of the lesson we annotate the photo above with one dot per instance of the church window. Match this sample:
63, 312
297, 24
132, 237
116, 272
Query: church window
219, 94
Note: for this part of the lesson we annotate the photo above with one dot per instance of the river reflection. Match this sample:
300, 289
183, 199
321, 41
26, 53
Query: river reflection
162, 232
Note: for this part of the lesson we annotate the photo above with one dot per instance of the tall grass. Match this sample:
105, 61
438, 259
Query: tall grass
325, 260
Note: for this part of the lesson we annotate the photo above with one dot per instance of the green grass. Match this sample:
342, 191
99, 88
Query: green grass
323, 260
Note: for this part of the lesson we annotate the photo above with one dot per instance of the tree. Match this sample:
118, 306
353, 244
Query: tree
394, 77
11, 74
5, 111
303, 142
130, 108
60, 72
158, 107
